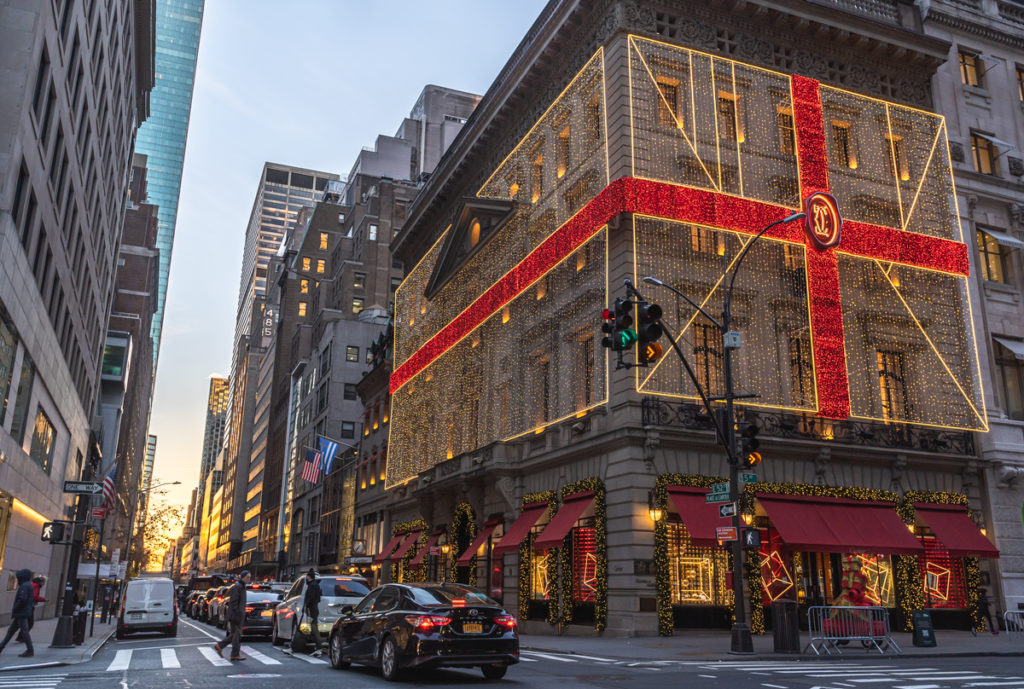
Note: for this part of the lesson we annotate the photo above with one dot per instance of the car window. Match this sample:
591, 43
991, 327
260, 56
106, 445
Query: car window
448, 595
332, 587
364, 604
296, 588
260, 597
387, 600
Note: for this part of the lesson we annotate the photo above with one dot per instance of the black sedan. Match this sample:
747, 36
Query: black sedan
260, 602
399, 626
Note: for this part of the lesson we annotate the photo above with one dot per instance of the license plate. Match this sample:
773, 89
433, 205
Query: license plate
135, 616
267, 613
472, 628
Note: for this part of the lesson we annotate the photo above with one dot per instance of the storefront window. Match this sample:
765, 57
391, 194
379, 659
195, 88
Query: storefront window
584, 563
696, 573
942, 576
540, 580
871, 575
776, 569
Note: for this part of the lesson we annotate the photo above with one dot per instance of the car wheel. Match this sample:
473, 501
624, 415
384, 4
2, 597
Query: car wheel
494, 671
389, 659
298, 640
274, 638
338, 661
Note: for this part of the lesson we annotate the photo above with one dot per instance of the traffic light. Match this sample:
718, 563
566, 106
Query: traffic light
607, 327
53, 532
749, 444
619, 335
648, 330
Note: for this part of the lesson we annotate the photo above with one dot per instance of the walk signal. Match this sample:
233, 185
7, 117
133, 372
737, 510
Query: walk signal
648, 330
53, 532
749, 444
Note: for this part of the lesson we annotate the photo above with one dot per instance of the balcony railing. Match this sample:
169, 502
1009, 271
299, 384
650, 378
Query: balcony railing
659, 412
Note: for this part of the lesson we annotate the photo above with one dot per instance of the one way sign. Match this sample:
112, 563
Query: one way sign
82, 487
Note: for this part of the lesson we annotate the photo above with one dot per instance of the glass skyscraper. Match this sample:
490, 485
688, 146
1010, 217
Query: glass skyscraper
162, 136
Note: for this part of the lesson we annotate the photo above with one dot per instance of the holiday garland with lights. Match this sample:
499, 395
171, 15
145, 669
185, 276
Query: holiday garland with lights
526, 551
461, 533
566, 573
401, 571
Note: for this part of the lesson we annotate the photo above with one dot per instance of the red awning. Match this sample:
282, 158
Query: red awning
386, 550
422, 553
572, 508
699, 517
400, 552
837, 525
480, 539
520, 527
955, 530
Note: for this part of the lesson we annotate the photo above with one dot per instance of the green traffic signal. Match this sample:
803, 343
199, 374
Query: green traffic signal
627, 338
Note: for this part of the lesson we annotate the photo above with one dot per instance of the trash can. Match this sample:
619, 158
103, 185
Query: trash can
924, 632
786, 626
79, 627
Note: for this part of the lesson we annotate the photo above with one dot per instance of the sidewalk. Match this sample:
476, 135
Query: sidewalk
713, 645
42, 636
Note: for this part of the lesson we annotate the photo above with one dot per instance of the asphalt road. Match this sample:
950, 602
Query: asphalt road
188, 662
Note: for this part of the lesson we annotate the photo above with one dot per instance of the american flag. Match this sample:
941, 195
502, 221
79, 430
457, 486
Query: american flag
328, 448
311, 467
108, 486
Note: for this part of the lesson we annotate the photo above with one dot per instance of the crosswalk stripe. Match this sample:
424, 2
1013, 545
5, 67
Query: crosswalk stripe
993, 684
548, 656
169, 658
256, 655
212, 656
917, 686
527, 660
309, 659
122, 659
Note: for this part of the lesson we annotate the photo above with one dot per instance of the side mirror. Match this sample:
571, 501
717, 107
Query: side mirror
347, 610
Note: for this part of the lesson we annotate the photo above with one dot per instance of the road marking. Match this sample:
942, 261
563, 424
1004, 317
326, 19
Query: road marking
874, 679
549, 656
200, 629
212, 656
708, 676
121, 661
169, 658
600, 660
773, 686
266, 660
991, 684
527, 660
917, 686
308, 659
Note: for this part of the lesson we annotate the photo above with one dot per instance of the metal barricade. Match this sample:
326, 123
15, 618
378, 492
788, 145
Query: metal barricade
1013, 623
831, 626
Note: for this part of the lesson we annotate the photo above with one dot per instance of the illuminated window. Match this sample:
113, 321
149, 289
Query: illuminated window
707, 343
321, 265
728, 127
302, 308
562, 151
303, 286
696, 573
873, 573
985, 154
323, 240
543, 570
942, 576
992, 258
892, 385
44, 438
1010, 373
307, 263
357, 305
801, 370
359, 280
668, 104
841, 138
383, 464
972, 70
703, 240
584, 561
537, 176
787, 134
897, 157
373, 233
351, 353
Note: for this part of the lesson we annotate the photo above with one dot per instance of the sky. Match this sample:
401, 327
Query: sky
305, 83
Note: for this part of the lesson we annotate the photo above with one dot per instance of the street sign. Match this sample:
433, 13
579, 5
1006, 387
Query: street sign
82, 487
115, 557
716, 497
748, 478
727, 509
99, 512
722, 487
725, 533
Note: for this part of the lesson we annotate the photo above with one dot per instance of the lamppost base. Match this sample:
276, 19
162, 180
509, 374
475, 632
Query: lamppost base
62, 634
742, 641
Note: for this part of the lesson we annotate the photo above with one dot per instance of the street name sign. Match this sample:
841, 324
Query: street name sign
722, 487
727, 509
82, 487
748, 478
725, 533
716, 497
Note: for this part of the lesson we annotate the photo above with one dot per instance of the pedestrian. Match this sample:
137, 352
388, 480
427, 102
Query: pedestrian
235, 615
311, 608
983, 611
20, 613
37, 584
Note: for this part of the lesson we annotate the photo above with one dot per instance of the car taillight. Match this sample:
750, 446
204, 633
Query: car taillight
507, 621
458, 602
427, 623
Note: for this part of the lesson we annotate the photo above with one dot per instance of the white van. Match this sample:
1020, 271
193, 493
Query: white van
148, 605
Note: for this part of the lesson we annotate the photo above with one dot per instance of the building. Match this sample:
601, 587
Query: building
75, 88
282, 192
980, 90
163, 136
213, 440
626, 140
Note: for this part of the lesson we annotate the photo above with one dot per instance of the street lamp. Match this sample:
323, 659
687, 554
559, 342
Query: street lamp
742, 642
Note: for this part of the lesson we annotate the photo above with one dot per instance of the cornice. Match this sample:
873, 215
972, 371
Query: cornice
1014, 40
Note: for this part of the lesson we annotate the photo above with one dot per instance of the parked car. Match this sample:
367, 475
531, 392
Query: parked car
399, 626
336, 591
204, 604
260, 602
190, 603
218, 601
149, 605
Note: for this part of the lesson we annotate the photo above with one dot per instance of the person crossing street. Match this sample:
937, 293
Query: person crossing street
234, 618
21, 611
311, 608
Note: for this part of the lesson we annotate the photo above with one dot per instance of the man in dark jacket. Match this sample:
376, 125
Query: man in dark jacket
234, 617
311, 608
21, 611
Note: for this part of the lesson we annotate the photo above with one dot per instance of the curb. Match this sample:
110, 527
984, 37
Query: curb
794, 657
61, 663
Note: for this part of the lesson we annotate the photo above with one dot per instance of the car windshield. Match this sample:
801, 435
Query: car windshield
431, 596
342, 588
261, 597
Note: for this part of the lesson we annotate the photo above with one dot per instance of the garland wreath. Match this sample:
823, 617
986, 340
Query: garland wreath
526, 552
463, 523
662, 568
401, 571
600, 554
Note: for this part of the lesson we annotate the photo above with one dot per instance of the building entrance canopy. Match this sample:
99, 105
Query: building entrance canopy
517, 532
957, 532
558, 528
700, 517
